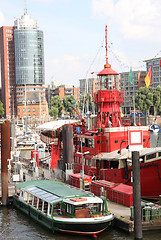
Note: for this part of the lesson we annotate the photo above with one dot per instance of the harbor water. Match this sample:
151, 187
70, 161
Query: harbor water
15, 225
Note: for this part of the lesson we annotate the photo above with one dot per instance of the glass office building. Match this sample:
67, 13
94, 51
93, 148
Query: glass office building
29, 52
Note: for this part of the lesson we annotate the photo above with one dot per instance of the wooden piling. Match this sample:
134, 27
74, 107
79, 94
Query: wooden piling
5, 155
136, 196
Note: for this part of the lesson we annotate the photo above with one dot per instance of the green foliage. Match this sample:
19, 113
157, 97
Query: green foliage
56, 106
1, 109
68, 102
157, 99
144, 99
53, 112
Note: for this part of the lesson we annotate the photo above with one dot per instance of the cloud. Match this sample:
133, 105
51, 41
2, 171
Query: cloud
136, 19
67, 68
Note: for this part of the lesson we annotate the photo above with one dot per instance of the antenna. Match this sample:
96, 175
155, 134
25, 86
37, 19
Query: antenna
106, 44
25, 6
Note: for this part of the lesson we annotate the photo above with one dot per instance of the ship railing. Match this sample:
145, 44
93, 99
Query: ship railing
46, 139
149, 213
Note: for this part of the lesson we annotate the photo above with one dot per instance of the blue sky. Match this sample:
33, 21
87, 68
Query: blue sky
74, 33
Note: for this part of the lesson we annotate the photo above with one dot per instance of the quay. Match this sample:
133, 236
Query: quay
123, 220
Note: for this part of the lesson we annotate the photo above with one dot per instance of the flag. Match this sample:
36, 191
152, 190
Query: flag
130, 76
148, 78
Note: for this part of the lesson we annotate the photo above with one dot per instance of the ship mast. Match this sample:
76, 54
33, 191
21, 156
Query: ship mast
108, 98
106, 44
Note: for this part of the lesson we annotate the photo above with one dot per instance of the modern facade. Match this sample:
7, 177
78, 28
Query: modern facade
22, 62
29, 52
129, 89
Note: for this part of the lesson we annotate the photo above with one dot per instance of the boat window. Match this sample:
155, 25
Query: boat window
25, 196
57, 209
114, 164
30, 197
159, 154
35, 201
45, 208
151, 156
95, 208
69, 208
142, 159
50, 209
21, 194
40, 204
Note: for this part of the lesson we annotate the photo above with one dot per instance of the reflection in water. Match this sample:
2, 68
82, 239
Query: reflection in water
14, 225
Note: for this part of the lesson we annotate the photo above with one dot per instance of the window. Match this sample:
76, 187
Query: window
151, 156
33, 109
40, 204
69, 208
45, 209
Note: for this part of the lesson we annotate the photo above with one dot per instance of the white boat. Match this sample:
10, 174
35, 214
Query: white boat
61, 207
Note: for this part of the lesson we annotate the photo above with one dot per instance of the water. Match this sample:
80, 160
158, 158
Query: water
15, 225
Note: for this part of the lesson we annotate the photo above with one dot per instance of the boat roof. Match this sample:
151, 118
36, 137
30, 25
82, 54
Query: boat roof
54, 125
83, 200
125, 153
56, 188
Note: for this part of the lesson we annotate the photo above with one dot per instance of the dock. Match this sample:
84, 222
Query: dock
122, 219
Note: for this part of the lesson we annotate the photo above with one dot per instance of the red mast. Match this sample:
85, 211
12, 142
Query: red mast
108, 97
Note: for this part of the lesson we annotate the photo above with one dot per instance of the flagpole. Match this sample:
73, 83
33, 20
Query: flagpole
132, 82
134, 108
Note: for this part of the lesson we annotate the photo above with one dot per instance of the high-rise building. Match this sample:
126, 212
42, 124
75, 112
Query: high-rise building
130, 89
29, 51
22, 62
8, 79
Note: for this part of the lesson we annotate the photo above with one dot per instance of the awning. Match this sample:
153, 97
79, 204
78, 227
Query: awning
54, 125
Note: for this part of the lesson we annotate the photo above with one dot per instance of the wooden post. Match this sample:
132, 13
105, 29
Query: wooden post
5, 155
136, 196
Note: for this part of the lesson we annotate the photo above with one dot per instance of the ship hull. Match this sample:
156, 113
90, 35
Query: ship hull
83, 226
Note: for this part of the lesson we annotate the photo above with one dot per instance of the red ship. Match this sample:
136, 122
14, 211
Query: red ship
104, 148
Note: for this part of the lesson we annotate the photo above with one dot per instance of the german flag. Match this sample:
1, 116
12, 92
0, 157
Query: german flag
148, 78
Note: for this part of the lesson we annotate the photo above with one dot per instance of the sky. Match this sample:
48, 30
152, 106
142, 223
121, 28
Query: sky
74, 34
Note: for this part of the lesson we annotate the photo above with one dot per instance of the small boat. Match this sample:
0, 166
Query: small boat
63, 208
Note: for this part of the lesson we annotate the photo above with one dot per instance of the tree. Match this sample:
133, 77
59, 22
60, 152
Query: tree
56, 106
53, 112
157, 99
1, 109
68, 102
144, 99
